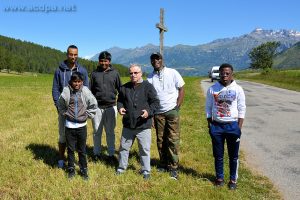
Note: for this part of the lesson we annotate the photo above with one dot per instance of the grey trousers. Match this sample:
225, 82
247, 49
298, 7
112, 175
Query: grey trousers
144, 142
105, 118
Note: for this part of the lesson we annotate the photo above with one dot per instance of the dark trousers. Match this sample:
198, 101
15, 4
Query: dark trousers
76, 140
168, 138
230, 132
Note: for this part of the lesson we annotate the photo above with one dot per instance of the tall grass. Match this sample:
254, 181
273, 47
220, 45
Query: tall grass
28, 156
287, 79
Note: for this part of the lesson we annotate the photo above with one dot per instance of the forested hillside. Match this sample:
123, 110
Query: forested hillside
289, 59
21, 56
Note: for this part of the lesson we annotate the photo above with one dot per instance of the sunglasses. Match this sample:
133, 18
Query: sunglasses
225, 74
134, 73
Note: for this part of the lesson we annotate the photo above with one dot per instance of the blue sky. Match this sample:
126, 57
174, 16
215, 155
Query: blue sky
98, 25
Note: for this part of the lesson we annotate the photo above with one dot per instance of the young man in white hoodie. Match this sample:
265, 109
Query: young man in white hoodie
225, 111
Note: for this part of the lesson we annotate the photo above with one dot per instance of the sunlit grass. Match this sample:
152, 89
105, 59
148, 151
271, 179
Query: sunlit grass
28, 156
287, 79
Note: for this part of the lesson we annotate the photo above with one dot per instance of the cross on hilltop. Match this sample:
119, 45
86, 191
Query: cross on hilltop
162, 29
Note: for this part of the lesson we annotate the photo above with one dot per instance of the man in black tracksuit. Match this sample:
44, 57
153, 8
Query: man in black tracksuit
137, 103
105, 84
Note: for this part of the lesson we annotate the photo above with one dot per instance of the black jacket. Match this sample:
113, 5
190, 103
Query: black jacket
136, 99
105, 85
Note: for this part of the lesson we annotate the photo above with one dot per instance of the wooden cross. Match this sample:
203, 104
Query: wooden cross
162, 29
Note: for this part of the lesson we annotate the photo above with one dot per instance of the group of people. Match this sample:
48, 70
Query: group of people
142, 104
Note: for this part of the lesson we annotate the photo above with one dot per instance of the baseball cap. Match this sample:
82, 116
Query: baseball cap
156, 55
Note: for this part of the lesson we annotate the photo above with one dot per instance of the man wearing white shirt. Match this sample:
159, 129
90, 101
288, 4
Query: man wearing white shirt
168, 84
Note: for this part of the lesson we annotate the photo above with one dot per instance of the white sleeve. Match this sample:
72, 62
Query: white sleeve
209, 103
179, 79
241, 103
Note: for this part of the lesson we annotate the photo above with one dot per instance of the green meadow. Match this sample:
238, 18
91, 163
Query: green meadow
287, 79
28, 156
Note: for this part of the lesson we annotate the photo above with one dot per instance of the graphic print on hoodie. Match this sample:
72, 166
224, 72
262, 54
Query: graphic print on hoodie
223, 101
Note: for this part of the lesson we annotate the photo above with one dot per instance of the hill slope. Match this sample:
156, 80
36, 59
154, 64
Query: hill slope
23, 56
289, 59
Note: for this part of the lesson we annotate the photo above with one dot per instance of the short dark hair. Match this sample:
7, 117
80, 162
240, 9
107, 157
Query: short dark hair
104, 55
226, 65
72, 46
76, 76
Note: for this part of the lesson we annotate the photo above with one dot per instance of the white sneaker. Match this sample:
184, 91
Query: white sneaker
61, 164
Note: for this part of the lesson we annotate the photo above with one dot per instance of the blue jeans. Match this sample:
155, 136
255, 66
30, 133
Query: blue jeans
219, 132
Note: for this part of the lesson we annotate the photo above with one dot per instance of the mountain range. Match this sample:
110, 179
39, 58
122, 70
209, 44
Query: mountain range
196, 60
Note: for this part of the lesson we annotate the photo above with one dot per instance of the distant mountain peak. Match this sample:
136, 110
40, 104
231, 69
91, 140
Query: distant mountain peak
150, 45
115, 48
201, 57
88, 57
257, 30
275, 33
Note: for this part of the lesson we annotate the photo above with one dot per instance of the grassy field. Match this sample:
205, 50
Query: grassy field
287, 79
28, 156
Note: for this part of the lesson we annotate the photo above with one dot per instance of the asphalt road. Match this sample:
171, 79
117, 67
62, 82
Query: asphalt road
271, 134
